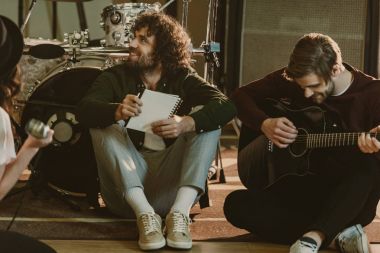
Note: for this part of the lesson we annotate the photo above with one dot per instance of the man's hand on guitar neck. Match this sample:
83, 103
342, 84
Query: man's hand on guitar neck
280, 131
369, 144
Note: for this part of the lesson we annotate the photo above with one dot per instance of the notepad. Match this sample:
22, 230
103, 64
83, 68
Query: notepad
156, 106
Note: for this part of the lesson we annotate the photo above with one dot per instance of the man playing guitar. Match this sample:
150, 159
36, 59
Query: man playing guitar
308, 152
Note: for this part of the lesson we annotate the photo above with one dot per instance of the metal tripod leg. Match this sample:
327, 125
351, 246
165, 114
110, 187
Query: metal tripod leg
219, 165
216, 172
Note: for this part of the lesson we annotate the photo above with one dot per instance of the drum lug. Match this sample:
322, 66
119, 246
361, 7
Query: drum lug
109, 62
116, 37
36, 83
30, 90
115, 17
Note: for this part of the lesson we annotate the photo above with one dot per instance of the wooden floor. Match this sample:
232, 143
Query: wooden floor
101, 246
76, 246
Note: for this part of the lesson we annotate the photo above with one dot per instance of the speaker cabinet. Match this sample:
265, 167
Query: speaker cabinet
272, 27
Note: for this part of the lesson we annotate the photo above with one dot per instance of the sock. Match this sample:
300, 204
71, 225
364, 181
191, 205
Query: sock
137, 200
184, 200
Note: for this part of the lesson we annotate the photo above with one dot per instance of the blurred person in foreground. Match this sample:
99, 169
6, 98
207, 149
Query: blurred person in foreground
12, 165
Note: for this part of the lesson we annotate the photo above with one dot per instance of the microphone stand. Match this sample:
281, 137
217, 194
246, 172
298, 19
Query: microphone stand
28, 16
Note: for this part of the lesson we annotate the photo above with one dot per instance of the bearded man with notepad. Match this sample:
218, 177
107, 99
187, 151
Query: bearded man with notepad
160, 173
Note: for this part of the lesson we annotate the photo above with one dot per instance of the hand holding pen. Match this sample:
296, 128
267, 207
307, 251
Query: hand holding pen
129, 107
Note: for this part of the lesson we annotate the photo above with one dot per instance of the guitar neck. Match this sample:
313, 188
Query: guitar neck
331, 139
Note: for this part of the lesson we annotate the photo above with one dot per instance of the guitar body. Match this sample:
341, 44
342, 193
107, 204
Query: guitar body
292, 163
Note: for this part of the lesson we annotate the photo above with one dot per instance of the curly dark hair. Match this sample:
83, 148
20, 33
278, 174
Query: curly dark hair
10, 86
172, 42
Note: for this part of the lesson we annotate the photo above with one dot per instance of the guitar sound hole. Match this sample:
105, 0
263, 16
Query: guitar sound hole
298, 147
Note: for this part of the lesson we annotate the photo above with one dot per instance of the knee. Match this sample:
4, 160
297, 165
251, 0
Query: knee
111, 136
232, 205
210, 135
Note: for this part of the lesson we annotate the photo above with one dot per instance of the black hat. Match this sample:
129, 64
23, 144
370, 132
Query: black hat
11, 46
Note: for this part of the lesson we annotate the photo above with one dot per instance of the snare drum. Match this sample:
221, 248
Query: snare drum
68, 164
117, 21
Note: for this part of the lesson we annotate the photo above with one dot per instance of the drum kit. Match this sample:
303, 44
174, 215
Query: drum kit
56, 75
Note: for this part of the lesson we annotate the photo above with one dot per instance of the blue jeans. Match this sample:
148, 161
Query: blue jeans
160, 173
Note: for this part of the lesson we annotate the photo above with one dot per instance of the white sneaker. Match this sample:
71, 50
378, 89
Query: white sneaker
303, 247
178, 232
353, 240
150, 231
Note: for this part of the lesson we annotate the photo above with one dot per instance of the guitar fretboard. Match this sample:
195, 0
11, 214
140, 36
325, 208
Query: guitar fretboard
331, 139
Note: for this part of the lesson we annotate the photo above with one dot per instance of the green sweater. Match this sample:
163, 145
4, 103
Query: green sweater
97, 108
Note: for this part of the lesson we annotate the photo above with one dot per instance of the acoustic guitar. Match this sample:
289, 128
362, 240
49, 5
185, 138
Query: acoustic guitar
316, 130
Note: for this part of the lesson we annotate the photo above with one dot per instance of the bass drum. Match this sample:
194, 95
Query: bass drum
68, 165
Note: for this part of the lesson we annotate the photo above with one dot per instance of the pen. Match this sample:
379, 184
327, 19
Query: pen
139, 94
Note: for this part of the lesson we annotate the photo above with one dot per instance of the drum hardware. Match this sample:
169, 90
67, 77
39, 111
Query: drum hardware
115, 18
117, 21
76, 45
166, 5
185, 12
211, 48
32, 4
112, 56
210, 51
205, 49
77, 39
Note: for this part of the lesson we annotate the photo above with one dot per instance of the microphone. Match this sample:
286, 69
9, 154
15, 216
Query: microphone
37, 129
46, 51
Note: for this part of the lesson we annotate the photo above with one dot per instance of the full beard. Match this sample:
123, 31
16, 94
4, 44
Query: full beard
143, 63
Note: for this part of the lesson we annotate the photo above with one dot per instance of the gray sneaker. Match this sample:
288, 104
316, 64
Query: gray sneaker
303, 247
150, 231
353, 240
178, 231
